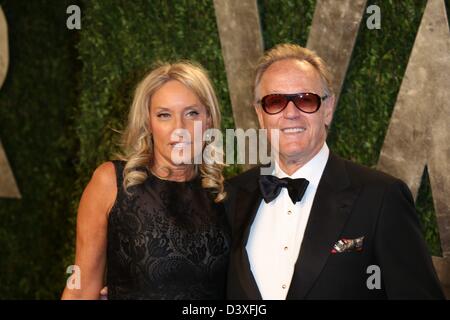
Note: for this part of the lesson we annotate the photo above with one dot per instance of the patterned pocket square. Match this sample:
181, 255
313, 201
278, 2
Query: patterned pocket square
348, 245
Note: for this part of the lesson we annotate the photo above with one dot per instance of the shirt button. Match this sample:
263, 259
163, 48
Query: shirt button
289, 212
283, 286
286, 248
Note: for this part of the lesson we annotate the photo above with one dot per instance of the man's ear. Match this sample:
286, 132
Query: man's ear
329, 105
259, 113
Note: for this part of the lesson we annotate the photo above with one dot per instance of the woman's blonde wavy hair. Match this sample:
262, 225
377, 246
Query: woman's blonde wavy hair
136, 143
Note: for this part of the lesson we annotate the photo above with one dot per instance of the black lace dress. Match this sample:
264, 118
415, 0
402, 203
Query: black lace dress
167, 240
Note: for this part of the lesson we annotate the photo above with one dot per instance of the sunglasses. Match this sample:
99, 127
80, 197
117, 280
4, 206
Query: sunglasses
306, 102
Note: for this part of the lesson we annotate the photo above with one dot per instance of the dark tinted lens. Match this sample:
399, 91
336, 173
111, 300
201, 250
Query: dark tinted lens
308, 102
273, 103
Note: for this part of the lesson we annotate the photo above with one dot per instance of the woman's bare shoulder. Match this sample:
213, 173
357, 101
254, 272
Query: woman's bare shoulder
105, 174
101, 191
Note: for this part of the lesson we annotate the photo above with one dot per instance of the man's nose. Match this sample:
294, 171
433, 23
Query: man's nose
291, 111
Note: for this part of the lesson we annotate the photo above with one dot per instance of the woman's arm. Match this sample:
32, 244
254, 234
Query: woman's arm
92, 224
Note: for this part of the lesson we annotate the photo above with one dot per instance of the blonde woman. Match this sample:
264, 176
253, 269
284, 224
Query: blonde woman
152, 223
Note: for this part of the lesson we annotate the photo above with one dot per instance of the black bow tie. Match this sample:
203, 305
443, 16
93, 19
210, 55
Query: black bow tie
271, 187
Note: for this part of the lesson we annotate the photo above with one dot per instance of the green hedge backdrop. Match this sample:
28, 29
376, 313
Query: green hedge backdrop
68, 91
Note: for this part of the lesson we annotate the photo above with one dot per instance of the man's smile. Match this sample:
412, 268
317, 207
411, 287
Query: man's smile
293, 130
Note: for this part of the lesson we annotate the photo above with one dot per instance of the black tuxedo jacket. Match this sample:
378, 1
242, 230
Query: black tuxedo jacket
351, 201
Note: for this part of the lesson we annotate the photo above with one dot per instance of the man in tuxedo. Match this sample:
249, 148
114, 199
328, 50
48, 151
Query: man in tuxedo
319, 227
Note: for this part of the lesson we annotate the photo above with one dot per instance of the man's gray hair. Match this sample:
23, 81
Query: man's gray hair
292, 51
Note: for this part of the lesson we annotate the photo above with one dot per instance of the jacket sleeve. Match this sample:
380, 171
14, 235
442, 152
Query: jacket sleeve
401, 252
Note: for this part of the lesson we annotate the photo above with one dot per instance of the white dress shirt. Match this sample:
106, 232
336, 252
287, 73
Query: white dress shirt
277, 232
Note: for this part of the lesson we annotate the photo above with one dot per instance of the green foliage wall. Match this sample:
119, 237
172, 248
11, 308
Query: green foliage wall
38, 104
68, 91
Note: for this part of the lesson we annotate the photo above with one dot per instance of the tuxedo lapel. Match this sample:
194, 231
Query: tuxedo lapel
248, 200
330, 210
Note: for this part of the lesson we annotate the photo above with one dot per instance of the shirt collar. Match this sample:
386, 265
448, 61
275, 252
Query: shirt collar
312, 170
